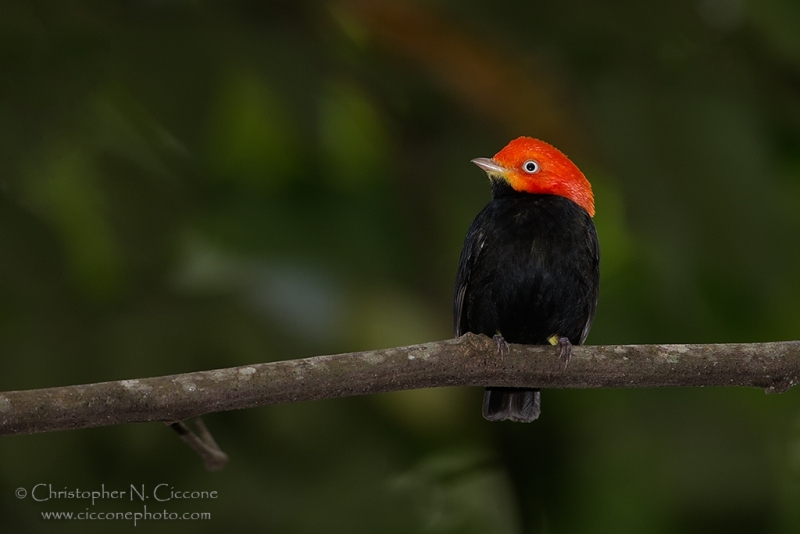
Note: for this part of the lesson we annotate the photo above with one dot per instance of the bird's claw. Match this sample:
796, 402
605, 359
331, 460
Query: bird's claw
564, 350
502, 344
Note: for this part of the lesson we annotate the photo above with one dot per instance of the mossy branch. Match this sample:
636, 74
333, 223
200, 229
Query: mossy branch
470, 360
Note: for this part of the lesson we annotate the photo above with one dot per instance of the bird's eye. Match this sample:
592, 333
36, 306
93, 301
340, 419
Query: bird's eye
530, 166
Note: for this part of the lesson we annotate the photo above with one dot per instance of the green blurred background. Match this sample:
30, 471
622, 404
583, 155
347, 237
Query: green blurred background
195, 185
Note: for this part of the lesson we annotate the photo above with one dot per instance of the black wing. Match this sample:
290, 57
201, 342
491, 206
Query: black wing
473, 244
595, 282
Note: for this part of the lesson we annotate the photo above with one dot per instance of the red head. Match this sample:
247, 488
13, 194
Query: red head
533, 166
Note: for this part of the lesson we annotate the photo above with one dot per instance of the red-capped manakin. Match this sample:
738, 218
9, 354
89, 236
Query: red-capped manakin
530, 266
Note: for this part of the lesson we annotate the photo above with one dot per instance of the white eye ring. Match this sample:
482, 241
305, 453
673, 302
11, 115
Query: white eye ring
530, 166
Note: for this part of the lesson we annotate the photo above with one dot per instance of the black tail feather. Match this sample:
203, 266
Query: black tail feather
512, 404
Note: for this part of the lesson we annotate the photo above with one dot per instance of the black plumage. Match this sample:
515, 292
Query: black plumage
529, 270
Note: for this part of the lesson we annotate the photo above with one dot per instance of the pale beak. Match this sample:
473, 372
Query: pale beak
490, 166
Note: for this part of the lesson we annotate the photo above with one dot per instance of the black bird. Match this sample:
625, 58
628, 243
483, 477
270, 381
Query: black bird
530, 267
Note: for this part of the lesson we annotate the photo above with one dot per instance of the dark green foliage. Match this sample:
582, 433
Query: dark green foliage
192, 185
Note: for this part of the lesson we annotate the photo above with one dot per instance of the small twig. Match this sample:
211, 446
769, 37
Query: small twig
204, 444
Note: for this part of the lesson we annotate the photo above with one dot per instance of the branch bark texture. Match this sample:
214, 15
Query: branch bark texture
470, 360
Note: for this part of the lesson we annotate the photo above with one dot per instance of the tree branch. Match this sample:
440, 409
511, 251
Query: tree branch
470, 360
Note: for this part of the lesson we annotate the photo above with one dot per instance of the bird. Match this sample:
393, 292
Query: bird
529, 270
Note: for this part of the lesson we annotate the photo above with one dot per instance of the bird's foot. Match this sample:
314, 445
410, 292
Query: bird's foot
564, 350
502, 344
564, 347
